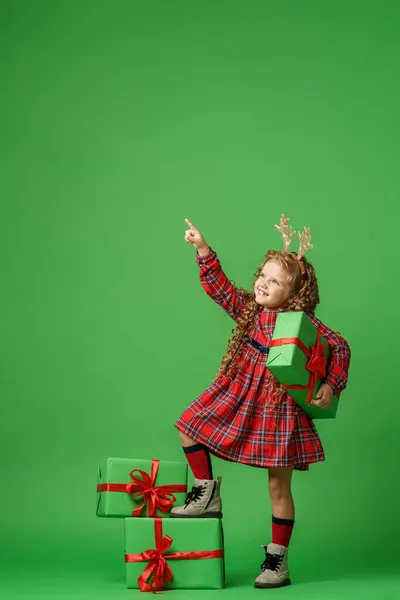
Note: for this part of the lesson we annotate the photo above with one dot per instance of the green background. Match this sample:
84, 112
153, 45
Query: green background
118, 120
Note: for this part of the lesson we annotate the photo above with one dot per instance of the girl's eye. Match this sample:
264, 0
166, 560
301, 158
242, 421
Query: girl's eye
275, 281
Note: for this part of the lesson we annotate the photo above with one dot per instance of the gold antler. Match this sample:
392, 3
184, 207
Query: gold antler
285, 231
304, 242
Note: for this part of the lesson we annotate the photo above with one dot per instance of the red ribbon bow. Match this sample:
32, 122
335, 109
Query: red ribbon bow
316, 365
158, 569
160, 496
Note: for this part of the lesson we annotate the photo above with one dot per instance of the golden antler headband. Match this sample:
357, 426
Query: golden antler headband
304, 243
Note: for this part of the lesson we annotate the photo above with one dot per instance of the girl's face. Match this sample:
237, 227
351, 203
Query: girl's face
272, 289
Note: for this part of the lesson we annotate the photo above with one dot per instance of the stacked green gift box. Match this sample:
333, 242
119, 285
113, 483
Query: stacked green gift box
160, 553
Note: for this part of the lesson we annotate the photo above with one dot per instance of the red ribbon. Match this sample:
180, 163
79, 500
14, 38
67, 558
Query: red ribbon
317, 363
160, 496
158, 569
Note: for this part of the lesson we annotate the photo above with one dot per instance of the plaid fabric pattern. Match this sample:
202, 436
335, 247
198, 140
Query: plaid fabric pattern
244, 417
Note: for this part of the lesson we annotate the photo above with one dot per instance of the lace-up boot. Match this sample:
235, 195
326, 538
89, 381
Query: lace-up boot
203, 501
275, 571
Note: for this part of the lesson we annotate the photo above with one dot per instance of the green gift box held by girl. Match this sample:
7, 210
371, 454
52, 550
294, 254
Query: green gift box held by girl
298, 358
253, 413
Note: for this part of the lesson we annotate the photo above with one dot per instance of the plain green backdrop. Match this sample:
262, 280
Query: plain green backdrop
118, 120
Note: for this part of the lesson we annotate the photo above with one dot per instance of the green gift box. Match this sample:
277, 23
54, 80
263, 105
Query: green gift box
174, 554
298, 358
140, 488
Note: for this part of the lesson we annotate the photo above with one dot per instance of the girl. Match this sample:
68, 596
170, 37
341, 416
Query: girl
245, 416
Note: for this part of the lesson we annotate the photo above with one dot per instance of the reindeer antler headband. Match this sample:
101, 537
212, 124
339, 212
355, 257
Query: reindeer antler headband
304, 243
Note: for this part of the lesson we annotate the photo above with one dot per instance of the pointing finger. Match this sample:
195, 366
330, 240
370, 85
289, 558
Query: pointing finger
190, 224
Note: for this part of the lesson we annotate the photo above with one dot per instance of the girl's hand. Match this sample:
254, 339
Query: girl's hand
194, 237
324, 396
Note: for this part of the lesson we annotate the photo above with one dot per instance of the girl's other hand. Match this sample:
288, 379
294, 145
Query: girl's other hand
324, 396
194, 237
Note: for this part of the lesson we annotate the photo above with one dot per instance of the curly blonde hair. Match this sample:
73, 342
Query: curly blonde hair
304, 298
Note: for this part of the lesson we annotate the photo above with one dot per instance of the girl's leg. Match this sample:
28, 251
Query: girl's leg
275, 571
204, 501
283, 511
197, 456
186, 440
280, 479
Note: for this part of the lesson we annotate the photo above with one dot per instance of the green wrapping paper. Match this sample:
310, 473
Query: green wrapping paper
288, 362
144, 562
116, 473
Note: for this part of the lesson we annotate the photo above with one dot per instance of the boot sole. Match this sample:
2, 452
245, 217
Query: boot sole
209, 515
273, 585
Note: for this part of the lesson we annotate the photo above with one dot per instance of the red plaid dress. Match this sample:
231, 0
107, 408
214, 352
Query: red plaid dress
232, 417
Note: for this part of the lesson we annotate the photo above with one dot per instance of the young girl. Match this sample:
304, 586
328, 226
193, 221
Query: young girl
245, 416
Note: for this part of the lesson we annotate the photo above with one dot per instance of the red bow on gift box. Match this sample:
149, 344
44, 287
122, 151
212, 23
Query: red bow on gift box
316, 364
158, 569
160, 496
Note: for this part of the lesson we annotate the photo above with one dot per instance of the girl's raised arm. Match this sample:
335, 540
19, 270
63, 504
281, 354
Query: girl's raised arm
212, 278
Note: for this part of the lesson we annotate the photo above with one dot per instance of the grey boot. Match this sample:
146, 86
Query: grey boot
203, 501
275, 572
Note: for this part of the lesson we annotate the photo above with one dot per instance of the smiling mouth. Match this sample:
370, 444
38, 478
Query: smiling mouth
262, 293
